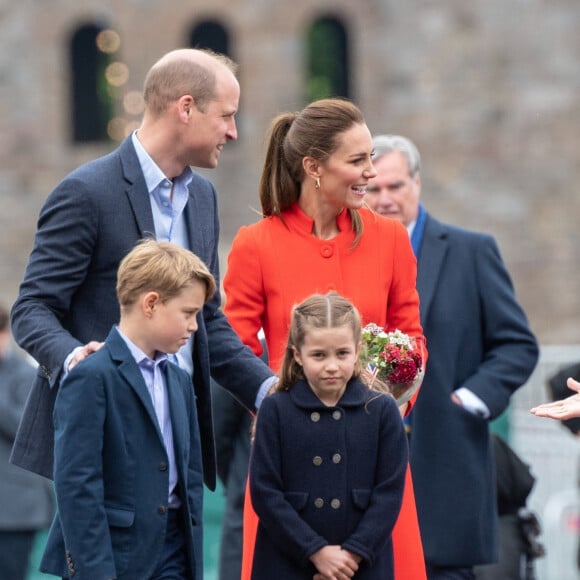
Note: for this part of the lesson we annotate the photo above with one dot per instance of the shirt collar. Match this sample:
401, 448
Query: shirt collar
139, 356
151, 171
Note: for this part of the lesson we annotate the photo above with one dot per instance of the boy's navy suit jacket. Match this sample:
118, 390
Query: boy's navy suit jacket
111, 469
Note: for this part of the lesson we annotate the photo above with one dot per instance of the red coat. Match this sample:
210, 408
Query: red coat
275, 263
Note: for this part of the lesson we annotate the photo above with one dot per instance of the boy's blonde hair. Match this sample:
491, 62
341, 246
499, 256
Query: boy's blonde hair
161, 267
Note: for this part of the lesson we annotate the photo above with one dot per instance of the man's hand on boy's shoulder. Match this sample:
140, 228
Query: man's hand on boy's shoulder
81, 353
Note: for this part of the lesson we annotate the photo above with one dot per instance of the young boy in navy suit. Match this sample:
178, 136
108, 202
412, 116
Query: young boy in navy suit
128, 472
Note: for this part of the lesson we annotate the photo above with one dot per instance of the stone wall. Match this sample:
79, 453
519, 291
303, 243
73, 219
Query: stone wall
487, 89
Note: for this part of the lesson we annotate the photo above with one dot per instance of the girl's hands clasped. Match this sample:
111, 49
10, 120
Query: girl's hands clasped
334, 563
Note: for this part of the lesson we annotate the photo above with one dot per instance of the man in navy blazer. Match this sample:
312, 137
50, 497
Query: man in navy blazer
481, 350
93, 218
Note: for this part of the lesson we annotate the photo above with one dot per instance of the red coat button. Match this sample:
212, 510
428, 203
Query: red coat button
326, 251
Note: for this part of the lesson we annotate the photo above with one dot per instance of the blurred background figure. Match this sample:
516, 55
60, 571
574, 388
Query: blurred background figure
559, 391
519, 528
26, 499
481, 350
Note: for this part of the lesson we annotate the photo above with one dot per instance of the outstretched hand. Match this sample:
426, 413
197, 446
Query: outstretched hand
334, 563
568, 408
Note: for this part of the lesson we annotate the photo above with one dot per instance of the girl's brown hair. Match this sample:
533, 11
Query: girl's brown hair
317, 311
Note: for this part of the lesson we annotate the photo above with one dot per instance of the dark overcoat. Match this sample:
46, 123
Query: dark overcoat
326, 475
87, 225
478, 338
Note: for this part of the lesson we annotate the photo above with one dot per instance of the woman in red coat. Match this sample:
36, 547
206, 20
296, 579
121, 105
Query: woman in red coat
316, 236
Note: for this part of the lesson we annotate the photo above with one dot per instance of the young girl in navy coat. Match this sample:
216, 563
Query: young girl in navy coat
328, 462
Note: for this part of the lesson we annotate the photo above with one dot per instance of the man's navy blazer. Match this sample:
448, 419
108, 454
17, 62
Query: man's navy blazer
478, 337
87, 225
111, 470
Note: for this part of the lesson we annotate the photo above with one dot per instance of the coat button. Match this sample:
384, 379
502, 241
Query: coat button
161, 509
326, 251
336, 415
317, 460
335, 504
163, 466
318, 502
315, 417
336, 458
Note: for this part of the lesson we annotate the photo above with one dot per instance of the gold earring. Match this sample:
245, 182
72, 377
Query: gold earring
317, 183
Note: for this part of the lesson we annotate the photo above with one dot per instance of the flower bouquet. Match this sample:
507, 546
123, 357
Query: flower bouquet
392, 362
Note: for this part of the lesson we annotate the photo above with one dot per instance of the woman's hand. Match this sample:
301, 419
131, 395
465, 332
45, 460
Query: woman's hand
566, 409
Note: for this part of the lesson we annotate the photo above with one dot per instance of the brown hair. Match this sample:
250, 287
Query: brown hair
313, 132
160, 267
317, 311
184, 72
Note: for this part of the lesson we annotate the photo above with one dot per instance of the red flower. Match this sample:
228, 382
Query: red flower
393, 360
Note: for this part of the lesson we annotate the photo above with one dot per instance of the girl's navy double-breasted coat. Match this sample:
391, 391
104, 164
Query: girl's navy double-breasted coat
326, 475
